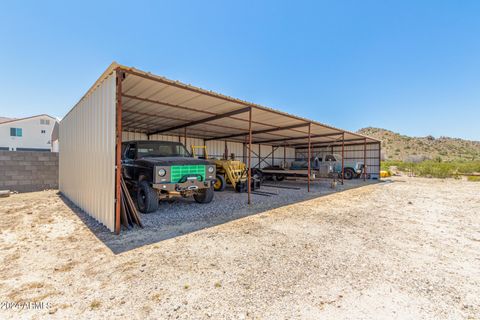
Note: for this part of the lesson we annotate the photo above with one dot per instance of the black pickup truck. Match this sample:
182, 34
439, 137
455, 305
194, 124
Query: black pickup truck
159, 170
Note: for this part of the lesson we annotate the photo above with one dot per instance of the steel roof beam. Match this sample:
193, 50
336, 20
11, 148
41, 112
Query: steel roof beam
261, 131
327, 143
212, 118
299, 138
180, 85
192, 109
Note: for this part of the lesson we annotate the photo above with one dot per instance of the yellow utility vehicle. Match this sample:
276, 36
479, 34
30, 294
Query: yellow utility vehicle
229, 171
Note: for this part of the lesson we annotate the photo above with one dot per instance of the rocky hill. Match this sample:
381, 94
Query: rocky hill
400, 147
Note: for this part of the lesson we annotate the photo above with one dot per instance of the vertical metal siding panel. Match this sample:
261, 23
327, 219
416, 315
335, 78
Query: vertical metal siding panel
140, 136
160, 137
128, 136
254, 155
265, 151
235, 148
175, 138
193, 142
374, 162
352, 153
278, 156
87, 156
215, 148
290, 154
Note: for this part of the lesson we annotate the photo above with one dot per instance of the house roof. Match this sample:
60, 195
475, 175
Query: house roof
10, 120
5, 119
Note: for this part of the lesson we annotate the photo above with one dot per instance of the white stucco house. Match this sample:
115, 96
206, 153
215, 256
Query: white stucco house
27, 134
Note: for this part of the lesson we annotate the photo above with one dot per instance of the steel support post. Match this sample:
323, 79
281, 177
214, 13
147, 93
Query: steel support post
343, 155
118, 151
365, 159
379, 158
259, 156
244, 155
309, 155
273, 156
185, 137
249, 169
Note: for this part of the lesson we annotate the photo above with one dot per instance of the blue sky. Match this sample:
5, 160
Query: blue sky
409, 66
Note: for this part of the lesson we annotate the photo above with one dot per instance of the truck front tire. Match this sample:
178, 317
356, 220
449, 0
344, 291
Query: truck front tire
204, 195
147, 198
348, 174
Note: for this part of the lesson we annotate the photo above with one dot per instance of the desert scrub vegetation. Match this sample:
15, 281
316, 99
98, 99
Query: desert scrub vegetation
435, 168
95, 304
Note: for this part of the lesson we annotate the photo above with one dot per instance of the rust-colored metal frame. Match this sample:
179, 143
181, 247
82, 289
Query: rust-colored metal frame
118, 147
180, 107
273, 128
302, 137
365, 159
177, 84
301, 125
249, 169
309, 156
303, 150
201, 121
120, 75
264, 159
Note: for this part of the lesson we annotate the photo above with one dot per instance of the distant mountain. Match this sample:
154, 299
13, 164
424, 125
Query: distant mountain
400, 147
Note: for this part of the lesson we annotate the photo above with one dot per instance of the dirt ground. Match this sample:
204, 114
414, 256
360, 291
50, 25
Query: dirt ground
405, 249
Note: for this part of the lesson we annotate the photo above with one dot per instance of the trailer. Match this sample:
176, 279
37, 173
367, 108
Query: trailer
280, 174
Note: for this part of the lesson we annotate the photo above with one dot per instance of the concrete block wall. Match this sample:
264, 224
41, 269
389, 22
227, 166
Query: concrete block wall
25, 171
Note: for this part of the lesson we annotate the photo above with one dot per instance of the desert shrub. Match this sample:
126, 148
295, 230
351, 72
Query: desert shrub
433, 168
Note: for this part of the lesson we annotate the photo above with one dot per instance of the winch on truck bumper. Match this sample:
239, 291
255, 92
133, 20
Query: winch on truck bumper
188, 185
158, 170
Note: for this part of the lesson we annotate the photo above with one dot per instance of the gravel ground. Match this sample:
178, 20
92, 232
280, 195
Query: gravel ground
405, 249
184, 215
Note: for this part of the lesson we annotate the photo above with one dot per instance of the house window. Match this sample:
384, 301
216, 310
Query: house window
45, 121
43, 131
15, 132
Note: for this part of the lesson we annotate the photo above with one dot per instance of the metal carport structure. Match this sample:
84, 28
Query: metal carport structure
126, 101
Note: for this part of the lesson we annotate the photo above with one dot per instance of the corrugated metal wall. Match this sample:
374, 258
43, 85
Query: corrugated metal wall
352, 153
87, 154
216, 148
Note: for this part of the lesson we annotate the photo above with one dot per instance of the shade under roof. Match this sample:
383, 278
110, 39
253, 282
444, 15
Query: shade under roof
155, 105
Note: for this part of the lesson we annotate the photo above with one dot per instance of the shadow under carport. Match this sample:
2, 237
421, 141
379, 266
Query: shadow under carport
184, 215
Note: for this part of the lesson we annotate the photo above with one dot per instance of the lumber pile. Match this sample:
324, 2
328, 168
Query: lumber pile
128, 212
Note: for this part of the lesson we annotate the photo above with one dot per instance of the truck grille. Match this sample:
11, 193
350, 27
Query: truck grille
177, 172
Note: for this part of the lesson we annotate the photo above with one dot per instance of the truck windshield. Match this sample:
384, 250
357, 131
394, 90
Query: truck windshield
161, 149
330, 157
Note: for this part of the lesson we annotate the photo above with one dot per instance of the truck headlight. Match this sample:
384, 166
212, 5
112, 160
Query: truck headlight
162, 172
211, 169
